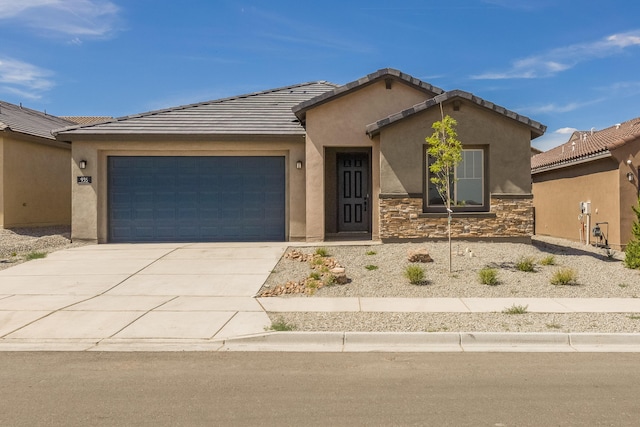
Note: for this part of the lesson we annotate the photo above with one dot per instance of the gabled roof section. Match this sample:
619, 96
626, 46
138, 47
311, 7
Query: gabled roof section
301, 109
585, 146
16, 118
537, 129
260, 113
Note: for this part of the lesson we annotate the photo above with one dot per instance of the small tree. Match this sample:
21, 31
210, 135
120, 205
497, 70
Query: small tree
446, 151
632, 250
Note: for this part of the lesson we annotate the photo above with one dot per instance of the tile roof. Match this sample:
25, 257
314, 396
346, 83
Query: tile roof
537, 128
17, 118
261, 113
384, 73
87, 120
587, 145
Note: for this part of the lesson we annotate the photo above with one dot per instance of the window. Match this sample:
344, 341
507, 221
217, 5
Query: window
469, 192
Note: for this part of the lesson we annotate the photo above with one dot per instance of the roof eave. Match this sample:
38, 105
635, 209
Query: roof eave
571, 162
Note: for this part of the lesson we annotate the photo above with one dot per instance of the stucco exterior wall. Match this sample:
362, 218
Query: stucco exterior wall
342, 123
557, 194
34, 182
90, 214
509, 163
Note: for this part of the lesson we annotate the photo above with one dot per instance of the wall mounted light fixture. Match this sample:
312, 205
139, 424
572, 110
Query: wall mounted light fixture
630, 176
82, 164
299, 164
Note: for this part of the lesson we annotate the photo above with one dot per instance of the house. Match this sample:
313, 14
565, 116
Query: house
591, 180
34, 169
308, 162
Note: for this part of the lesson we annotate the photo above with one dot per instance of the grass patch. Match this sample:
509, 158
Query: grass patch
488, 276
415, 274
634, 316
323, 252
35, 255
315, 275
526, 264
553, 326
516, 309
280, 325
370, 253
548, 260
371, 267
623, 285
564, 277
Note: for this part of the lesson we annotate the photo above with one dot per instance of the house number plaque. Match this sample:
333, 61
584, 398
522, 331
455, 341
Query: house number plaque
84, 180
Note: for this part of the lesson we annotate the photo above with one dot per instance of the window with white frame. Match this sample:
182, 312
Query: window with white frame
468, 188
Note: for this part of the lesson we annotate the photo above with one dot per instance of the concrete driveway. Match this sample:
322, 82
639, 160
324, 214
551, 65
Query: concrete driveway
129, 296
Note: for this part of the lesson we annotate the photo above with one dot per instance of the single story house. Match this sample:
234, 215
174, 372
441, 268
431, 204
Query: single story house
35, 187
591, 180
307, 162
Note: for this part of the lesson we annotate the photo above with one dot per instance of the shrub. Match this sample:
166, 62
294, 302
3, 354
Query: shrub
371, 252
414, 273
516, 309
632, 250
526, 264
548, 260
315, 275
35, 255
371, 267
488, 276
323, 252
280, 325
564, 276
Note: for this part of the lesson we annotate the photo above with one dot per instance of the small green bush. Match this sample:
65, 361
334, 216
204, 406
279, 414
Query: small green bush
414, 273
548, 260
315, 275
323, 252
564, 276
371, 252
371, 267
488, 276
516, 309
280, 325
35, 255
526, 264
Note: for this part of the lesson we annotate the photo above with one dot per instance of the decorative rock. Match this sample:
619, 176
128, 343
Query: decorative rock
420, 255
341, 279
337, 270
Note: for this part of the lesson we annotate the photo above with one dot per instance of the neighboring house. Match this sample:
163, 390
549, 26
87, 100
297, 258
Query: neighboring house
308, 162
87, 120
35, 188
595, 167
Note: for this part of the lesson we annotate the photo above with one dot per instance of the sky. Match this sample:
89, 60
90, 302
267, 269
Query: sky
569, 64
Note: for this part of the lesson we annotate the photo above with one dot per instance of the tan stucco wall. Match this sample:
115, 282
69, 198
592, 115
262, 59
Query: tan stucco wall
557, 194
342, 123
402, 149
34, 182
90, 215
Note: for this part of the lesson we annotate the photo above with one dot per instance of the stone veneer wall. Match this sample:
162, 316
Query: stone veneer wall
511, 216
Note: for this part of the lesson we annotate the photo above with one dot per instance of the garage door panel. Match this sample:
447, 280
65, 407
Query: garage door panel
196, 198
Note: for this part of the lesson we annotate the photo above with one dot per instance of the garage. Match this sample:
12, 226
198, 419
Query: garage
196, 199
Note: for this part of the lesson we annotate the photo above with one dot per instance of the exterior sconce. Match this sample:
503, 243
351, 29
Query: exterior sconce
82, 164
630, 176
299, 164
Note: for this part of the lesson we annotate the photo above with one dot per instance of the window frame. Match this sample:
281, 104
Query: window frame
484, 207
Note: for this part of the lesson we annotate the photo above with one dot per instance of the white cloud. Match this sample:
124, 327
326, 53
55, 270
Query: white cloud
565, 131
563, 58
86, 18
23, 79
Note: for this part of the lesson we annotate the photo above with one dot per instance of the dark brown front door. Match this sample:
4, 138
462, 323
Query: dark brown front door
354, 212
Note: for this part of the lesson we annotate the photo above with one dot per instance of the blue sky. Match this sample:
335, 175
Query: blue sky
569, 64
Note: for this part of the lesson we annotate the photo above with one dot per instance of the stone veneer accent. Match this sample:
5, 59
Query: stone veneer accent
511, 216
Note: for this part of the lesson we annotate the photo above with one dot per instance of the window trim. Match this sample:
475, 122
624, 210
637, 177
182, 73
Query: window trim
485, 207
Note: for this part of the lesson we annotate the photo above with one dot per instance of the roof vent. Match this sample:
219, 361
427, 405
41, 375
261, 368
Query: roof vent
592, 129
573, 146
617, 125
584, 137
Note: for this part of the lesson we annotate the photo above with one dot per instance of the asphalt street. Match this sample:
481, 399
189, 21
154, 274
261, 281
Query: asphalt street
261, 388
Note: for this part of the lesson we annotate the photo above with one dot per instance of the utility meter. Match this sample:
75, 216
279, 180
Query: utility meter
585, 208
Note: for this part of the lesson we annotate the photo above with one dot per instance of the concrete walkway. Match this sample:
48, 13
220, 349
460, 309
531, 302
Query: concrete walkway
171, 297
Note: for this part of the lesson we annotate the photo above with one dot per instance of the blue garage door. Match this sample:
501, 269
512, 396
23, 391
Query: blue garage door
196, 199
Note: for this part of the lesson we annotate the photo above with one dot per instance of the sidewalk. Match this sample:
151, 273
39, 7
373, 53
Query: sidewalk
199, 297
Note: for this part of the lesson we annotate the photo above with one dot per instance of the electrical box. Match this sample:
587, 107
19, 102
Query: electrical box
585, 208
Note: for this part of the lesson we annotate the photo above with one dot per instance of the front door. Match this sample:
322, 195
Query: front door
354, 210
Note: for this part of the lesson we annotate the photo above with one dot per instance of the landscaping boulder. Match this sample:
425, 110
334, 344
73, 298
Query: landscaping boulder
420, 255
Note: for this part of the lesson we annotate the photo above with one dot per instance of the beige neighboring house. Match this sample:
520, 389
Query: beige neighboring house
35, 187
307, 162
591, 180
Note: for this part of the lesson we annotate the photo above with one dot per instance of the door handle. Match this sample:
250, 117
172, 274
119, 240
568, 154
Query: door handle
366, 199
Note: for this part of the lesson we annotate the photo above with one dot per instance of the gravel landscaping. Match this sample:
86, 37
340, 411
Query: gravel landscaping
599, 275
17, 244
